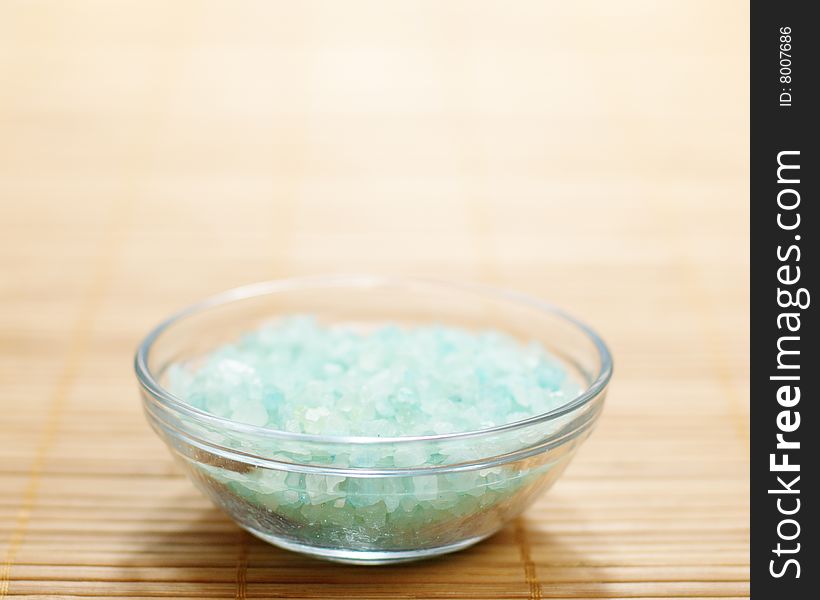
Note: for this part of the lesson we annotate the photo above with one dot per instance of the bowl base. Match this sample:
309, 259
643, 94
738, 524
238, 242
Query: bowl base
365, 557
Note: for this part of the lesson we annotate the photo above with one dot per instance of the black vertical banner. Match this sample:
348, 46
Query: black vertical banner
784, 265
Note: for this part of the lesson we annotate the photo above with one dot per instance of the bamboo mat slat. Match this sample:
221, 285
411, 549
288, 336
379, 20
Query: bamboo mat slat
593, 154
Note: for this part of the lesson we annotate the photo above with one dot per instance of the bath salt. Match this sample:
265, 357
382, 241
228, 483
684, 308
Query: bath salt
298, 375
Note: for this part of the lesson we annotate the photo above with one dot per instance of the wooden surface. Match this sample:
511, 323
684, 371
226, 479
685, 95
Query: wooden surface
593, 153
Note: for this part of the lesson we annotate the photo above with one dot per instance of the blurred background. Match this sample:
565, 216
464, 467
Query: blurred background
592, 153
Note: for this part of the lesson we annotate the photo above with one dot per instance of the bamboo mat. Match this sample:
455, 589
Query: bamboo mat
592, 153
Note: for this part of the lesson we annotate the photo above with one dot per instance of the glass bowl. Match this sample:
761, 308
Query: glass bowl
371, 500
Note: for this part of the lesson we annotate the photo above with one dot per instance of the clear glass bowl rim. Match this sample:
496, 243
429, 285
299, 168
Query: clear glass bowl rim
150, 384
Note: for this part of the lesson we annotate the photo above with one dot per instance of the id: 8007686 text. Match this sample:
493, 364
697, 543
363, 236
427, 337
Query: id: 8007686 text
785, 66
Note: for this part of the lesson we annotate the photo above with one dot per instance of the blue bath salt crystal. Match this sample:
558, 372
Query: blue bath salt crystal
298, 375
